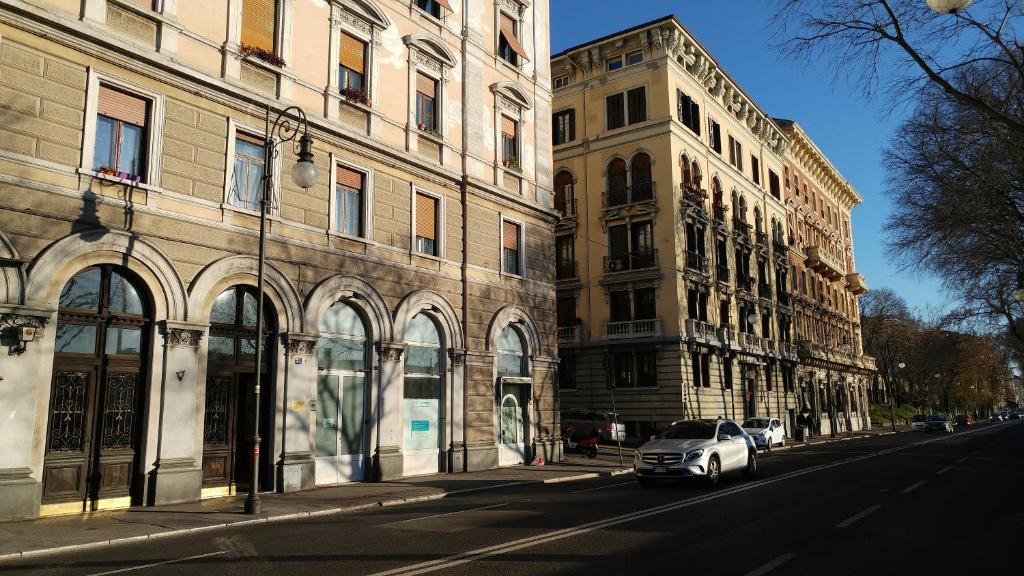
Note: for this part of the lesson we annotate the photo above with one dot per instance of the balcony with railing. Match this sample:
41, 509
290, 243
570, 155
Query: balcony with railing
569, 334
823, 262
696, 262
741, 227
858, 285
722, 272
636, 260
630, 195
632, 329
764, 290
718, 212
762, 238
727, 336
751, 343
700, 331
693, 195
783, 297
567, 215
788, 350
565, 270
745, 283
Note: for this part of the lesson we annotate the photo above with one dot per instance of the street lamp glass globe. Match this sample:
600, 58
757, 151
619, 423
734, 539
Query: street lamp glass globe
901, 365
305, 174
948, 6
751, 318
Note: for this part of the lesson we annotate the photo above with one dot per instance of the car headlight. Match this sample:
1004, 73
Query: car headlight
694, 454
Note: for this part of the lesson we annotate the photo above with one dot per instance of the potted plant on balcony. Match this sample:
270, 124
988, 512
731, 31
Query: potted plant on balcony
357, 95
263, 54
512, 163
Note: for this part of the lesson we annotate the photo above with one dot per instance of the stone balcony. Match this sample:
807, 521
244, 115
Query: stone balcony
752, 344
632, 329
701, 332
858, 285
824, 263
727, 336
569, 334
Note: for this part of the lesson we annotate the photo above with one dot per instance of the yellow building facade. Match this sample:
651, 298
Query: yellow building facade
672, 260
409, 292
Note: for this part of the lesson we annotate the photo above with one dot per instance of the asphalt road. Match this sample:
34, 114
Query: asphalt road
902, 504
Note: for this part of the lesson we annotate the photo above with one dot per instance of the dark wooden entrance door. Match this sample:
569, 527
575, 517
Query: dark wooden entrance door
231, 367
97, 393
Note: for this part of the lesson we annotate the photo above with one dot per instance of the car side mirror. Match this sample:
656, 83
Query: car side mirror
723, 437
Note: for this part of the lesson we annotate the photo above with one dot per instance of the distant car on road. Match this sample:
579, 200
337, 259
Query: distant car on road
938, 423
964, 420
703, 449
996, 417
766, 432
1018, 415
587, 422
917, 422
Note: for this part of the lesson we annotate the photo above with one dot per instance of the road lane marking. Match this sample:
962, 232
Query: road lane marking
603, 487
450, 513
913, 487
762, 570
196, 557
944, 470
858, 516
962, 460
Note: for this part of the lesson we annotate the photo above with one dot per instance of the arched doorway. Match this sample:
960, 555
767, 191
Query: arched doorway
95, 417
422, 398
342, 369
230, 409
514, 389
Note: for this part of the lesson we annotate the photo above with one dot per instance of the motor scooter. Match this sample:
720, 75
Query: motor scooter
582, 444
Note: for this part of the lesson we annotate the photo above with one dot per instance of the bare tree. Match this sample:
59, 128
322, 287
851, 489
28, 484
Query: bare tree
907, 46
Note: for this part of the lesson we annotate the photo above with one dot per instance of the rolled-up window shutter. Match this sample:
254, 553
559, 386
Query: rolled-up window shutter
350, 178
444, 4
353, 53
508, 30
426, 85
511, 235
508, 127
426, 216
259, 20
144, 4
122, 106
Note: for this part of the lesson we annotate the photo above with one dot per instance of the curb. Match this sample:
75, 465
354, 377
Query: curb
300, 515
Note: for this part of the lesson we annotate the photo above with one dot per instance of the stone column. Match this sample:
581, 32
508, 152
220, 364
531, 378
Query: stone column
457, 411
24, 401
177, 475
297, 468
544, 408
481, 411
388, 400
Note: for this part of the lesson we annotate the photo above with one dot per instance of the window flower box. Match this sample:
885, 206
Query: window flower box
357, 95
267, 56
107, 171
512, 164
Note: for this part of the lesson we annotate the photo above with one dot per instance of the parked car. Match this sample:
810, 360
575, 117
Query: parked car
938, 423
917, 422
703, 449
587, 422
1017, 415
997, 417
964, 420
766, 432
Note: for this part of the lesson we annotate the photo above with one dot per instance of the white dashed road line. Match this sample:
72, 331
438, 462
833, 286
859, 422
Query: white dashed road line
913, 487
944, 470
762, 570
450, 513
858, 516
603, 487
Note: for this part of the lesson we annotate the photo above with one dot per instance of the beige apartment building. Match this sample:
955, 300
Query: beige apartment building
673, 265
409, 292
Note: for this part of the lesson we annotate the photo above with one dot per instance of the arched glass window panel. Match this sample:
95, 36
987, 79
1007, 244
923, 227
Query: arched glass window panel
225, 308
641, 174
716, 187
511, 357
686, 170
696, 175
563, 191
124, 297
423, 347
743, 208
617, 174
342, 342
422, 384
82, 291
422, 330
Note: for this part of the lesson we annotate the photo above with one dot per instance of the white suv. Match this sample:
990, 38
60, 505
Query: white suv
766, 432
696, 448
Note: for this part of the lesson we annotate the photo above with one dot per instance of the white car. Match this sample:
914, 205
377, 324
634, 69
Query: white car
917, 422
766, 432
696, 448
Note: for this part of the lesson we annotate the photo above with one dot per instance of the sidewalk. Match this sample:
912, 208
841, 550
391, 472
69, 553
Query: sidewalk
65, 533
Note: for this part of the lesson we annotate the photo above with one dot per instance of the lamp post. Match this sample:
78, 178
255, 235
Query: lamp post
948, 6
304, 174
892, 396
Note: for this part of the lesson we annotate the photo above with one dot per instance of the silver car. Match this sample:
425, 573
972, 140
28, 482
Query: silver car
703, 449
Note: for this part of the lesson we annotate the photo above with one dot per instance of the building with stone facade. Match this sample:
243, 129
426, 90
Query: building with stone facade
673, 266
409, 293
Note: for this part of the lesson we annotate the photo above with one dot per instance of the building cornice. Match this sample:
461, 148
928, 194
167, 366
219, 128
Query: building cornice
806, 153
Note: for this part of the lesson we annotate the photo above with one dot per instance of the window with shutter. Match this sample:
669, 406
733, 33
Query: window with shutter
348, 201
426, 102
637, 98
121, 134
509, 142
259, 24
352, 74
426, 224
615, 106
564, 127
509, 47
510, 242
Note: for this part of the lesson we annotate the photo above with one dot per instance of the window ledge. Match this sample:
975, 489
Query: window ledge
116, 180
429, 136
344, 236
427, 256
248, 212
517, 68
353, 103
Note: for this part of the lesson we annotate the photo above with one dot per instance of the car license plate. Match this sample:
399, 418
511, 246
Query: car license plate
660, 469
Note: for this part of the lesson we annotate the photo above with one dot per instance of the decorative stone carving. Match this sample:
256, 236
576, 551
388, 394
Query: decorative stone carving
390, 352
15, 320
183, 337
297, 345
513, 6
645, 43
457, 357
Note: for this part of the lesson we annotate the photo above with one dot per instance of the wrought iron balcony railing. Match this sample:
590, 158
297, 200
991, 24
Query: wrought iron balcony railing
629, 195
637, 260
565, 270
697, 261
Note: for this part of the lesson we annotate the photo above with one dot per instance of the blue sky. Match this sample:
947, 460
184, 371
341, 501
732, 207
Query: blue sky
849, 129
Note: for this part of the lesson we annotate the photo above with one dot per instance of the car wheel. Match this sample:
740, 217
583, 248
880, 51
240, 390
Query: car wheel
750, 471
783, 443
714, 472
591, 451
645, 482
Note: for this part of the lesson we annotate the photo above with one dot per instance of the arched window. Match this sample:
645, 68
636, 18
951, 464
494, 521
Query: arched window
341, 395
697, 177
233, 327
617, 182
743, 209
511, 358
423, 391
759, 225
735, 205
643, 189
564, 200
687, 174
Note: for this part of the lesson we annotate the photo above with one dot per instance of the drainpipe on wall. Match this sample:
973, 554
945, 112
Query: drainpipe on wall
464, 196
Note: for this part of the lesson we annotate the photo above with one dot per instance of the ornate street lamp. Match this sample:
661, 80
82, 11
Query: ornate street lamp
304, 174
948, 6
